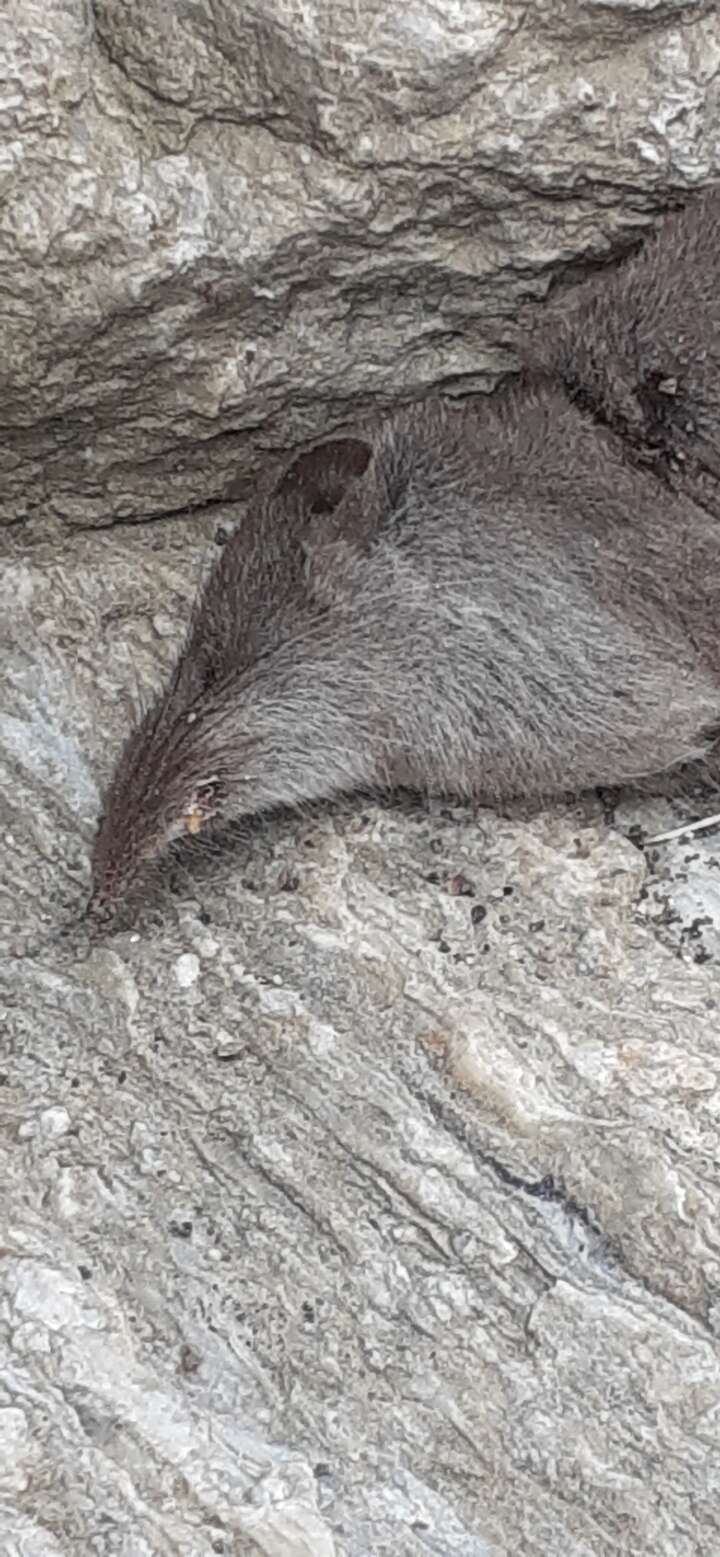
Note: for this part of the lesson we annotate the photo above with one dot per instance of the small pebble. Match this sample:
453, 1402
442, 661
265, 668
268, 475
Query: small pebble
164, 627
52, 1122
459, 886
207, 946
187, 969
55, 1121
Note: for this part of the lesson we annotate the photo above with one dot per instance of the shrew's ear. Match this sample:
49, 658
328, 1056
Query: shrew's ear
321, 476
336, 544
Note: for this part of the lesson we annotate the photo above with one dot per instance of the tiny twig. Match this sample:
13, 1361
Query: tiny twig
689, 827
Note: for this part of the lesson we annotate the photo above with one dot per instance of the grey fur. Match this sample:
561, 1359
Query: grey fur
639, 348
494, 601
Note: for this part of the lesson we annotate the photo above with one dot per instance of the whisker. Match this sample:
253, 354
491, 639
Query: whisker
685, 830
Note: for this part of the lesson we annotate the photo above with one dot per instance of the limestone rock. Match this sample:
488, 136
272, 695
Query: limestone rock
363, 1197
228, 228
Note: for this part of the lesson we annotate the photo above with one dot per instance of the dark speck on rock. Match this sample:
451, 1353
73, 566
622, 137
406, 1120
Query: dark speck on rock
636, 835
190, 1359
478, 912
459, 886
180, 1229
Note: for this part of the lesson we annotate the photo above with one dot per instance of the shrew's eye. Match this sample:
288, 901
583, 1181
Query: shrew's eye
210, 793
204, 803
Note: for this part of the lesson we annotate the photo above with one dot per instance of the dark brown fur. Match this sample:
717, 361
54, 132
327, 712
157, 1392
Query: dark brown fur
319, 479
500, 601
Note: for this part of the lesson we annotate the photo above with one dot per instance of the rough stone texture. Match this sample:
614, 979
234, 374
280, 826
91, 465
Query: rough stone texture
225, 228
363, 1198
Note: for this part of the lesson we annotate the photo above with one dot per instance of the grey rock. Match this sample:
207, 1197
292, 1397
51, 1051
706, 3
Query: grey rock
362, 1195
226, 229
681, 897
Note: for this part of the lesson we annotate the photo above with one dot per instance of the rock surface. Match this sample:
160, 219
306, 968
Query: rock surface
363, 1196
227, 228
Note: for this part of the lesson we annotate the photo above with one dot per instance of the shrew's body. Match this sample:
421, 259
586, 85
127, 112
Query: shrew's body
504, 602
